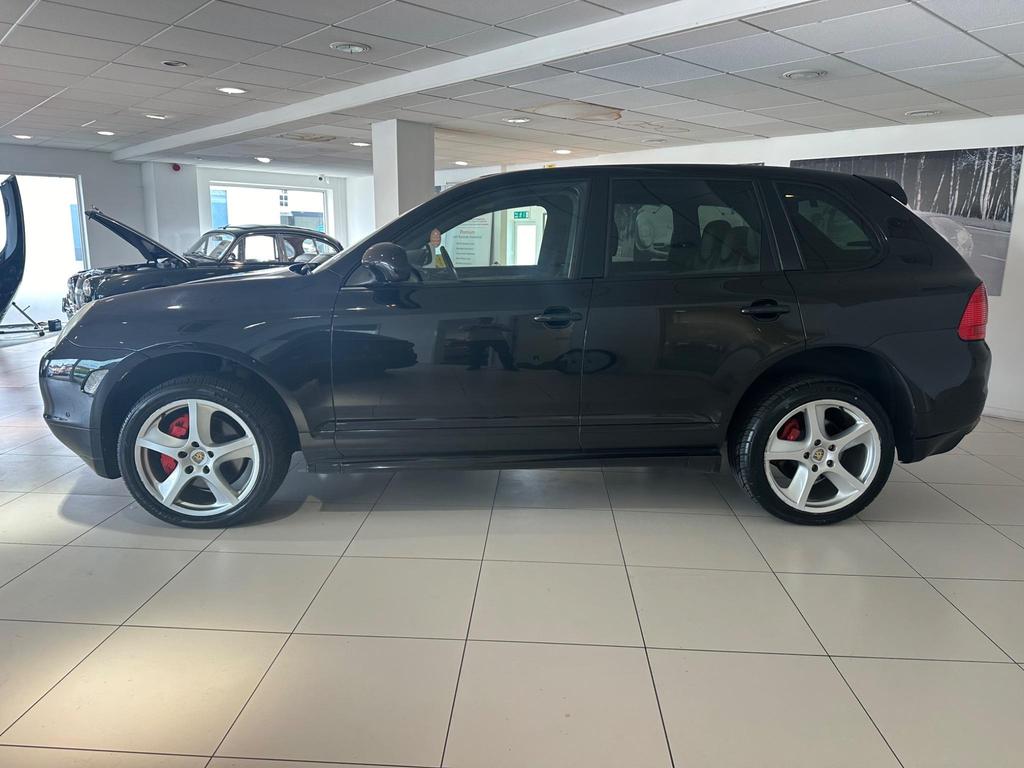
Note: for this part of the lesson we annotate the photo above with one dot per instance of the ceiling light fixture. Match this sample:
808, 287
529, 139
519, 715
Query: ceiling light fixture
804, 74
346, 47
157, 117
359, 143
563, 151
262, 159
462, 163
174, 63
105, 133
654, 140
231, 90
86, 125
517, 120
22, 136
918, 113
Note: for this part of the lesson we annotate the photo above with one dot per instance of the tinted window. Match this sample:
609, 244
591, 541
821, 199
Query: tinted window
525, 232
304, 248
831, 235
685, 226
213, 245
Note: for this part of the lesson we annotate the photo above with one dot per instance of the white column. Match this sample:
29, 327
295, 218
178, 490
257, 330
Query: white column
403, 167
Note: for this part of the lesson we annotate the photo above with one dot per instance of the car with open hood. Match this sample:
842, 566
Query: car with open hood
222, 251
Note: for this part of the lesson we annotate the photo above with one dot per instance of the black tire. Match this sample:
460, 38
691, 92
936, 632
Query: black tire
749, 441
266, 423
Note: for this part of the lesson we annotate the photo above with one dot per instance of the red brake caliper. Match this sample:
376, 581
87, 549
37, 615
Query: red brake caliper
791, 430
177, 428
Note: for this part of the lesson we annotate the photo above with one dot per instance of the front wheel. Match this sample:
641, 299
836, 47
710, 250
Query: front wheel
814, 451
202, 451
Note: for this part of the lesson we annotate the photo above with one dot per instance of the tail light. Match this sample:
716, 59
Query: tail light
975, 318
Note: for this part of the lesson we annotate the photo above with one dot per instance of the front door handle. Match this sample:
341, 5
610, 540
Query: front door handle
558, 317
765, 309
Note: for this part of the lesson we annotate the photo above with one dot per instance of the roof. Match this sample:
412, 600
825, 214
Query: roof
238, 229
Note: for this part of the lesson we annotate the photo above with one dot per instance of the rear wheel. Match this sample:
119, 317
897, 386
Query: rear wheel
201, 451
814, 451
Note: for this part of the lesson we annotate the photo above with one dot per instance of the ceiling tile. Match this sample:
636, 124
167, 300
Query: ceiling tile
204, 43
138, 90
1008, 39
411, 23
452, 108
167, 11
992, 68
525, 75
143, 75
694, 38
369, 73
81, 21
897, 24
632, 6
865, 85
761, 98
849, 122
822, 10
325, 11
997, 105
686, 110
49, 61
654, 70
509, 98
486, 39
562, 17
635, 98
421, 58
142, 56
42, 76
222, 18
457, 90
603, 58
748, 52
380, 47
255, 75
978, 14
800, 112
834, 67
11, 10
949, 48
303, 61
707, 87
571, 86
63, 43
490, 12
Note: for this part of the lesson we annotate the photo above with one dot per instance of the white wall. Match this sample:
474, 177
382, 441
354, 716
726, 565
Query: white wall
114, 188
172, 204
1006, 385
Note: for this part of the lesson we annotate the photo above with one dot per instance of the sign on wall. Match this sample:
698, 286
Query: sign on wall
469, 244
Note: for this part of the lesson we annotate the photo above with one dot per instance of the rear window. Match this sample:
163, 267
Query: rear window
831, 235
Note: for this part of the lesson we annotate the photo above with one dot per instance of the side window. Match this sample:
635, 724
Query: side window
259, 248
527, 232
685, 226
830, 234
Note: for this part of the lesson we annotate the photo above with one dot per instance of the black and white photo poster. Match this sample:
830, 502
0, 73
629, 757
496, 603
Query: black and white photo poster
966, 195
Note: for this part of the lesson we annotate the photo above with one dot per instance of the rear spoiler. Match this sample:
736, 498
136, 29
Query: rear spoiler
889, 186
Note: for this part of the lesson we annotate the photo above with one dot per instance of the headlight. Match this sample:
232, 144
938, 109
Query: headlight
74, 320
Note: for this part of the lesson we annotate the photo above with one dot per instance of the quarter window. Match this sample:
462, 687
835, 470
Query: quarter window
830, 234
685, 226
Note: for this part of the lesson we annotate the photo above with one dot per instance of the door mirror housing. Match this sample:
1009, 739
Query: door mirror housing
388, 262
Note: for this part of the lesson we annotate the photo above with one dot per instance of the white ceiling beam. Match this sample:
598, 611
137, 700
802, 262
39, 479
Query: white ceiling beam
667, 19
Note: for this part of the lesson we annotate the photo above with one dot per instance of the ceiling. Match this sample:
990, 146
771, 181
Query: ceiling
72, 68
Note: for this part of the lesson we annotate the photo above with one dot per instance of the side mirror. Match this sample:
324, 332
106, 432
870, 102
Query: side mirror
388, 262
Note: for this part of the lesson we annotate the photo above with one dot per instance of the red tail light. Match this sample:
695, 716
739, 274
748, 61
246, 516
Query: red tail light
975, 318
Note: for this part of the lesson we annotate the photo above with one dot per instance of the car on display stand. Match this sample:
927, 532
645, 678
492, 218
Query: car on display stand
227, 250
804, 325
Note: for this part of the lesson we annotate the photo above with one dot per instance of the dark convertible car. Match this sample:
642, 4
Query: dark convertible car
223, 251
806, 325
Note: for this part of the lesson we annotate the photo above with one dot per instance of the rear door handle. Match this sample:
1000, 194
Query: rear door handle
558, 317
765, 309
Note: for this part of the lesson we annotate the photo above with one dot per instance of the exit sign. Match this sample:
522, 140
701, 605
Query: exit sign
520, 214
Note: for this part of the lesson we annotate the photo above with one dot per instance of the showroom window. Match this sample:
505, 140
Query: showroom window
685, 226
829, 232
235, 204
517, 233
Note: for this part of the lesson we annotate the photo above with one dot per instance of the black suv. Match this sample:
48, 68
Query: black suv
807, 323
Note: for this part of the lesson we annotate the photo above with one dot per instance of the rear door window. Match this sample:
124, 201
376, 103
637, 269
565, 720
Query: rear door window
831, 235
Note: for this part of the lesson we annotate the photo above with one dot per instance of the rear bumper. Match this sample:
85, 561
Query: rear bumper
923, 447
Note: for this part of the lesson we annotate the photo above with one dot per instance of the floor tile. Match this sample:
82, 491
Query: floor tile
400, 597
555, 535
89, 584
30, 473
737, 498
34, 656
848, 547
551, 488
994, 443
1014, 465
665, 489
352, 699
38, 757
6, 496
336, 488
555, 602
995, 606
223, 590
718, 610
960, 468
687, 541
441, 488
294, 528
955, 551
901, 475
1009, 425
917, 503
940, 714
551, 706
1015, 532
13, 438
16, 558
80, 480
44, 445
878, 616
241, 762
47, 518
995, 504
136, 528
763, 711
151, 690
453, 533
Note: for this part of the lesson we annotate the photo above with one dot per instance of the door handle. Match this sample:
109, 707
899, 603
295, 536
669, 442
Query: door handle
765, 309
558, 317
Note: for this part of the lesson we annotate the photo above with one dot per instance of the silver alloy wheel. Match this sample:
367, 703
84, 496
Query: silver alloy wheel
216, 461
822, 456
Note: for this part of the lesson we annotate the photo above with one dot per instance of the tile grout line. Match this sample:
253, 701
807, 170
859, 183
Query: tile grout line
985, 522
640, 626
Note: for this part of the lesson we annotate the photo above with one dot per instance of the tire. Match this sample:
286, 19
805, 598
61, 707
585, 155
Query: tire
190, 420
813, 450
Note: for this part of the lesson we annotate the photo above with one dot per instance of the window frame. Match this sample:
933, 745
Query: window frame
769, 255
862, 219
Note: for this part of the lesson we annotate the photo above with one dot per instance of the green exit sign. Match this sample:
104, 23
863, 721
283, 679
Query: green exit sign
520, 214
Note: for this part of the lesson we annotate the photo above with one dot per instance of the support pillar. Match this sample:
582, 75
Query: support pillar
403, 167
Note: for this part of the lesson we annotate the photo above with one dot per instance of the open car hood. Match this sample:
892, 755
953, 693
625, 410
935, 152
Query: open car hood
150, 249
12, 257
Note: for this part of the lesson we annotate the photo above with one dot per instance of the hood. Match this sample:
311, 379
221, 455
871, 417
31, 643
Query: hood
150, 249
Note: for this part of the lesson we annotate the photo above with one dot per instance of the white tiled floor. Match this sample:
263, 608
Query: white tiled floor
519, 619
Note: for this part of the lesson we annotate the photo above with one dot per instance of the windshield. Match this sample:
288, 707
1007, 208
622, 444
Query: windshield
211, 246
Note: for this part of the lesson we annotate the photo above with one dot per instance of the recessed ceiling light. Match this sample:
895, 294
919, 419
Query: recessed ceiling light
804, 74
916, 113
346, 47
22, 136
231, 90
262, 159
461, 162
105, 133
653, 140
517, 120
157, 117
359, 143
563, 151
174, 63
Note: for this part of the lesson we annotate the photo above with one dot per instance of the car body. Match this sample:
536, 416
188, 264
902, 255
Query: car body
12, 259
222, 251
628, 314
